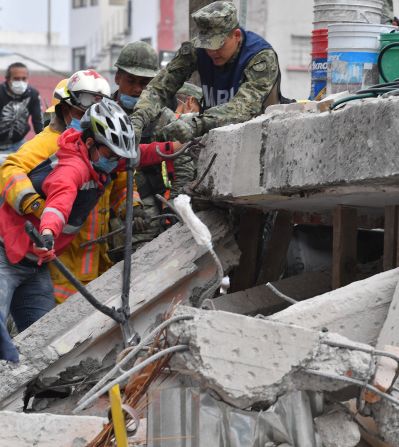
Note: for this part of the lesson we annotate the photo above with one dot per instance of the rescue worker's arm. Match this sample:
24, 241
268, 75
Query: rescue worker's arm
164, 87
260, 76
15, 185
61, 188
149, 156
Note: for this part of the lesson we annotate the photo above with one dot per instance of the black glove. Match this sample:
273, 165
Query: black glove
48, 240
140, 220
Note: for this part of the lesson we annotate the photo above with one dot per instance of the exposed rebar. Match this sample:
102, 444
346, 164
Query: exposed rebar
359, 383
134, 353
130, 372
280, 294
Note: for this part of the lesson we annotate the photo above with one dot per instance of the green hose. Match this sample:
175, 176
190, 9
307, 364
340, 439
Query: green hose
351, 98
381, 55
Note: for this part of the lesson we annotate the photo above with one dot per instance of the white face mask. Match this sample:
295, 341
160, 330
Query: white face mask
18, 87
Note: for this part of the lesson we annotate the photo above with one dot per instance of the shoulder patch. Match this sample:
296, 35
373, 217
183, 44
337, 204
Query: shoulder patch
186, 48
260, 66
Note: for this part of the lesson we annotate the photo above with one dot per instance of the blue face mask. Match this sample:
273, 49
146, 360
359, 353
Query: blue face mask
103, 164
128, 102
74, 124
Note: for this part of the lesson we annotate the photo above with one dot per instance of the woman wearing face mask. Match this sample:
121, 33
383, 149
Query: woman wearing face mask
18, 101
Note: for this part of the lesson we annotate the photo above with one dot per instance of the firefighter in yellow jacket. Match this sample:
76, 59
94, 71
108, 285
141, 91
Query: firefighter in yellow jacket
71, 98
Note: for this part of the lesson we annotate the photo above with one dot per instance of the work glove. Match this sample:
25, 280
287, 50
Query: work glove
33, 204
166, 117
187, 127
141, 222
46, 253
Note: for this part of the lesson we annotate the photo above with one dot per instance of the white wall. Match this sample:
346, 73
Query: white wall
278, 21
26, 16
94, 27
145, 20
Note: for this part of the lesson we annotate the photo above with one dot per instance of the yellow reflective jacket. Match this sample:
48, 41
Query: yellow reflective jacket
86, 263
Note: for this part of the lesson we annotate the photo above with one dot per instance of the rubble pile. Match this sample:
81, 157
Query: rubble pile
320, 370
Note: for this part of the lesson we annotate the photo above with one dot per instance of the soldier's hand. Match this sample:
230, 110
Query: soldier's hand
166, 117
183, 129
140, 220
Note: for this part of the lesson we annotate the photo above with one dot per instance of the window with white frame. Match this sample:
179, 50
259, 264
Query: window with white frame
79, 3
78, 58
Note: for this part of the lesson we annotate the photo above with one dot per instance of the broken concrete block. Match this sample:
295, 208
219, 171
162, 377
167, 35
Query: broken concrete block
389, 334
337, 429
386, 415
322, 154
262, 300
357, 311
168, 269
248, 360
384, 375
47, 430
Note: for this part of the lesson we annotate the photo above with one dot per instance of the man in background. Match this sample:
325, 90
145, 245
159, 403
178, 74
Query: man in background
18, 101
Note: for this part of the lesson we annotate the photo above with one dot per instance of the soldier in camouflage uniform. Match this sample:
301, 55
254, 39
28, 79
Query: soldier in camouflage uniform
239, 74
189, 99
136, 65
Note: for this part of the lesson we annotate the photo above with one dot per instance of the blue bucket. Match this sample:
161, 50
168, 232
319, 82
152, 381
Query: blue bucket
318, 86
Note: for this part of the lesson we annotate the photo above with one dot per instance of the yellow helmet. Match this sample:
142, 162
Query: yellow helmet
60, 93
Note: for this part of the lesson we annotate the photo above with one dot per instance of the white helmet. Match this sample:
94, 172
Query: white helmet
112, 127
86, 87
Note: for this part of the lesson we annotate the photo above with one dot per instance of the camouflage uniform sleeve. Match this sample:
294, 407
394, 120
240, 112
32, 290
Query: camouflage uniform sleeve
164, 86
184, 168
260, 76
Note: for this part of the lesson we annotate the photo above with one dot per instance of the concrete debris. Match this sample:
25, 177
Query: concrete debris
385, 373
47, 430
356, 311
337, 429
74, 331
389, 334
261, 300
386, 416
272, 148
247, 360
186, 416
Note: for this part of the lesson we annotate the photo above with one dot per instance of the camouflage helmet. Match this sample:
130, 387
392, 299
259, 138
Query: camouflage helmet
214, 23
189, 89
139, 59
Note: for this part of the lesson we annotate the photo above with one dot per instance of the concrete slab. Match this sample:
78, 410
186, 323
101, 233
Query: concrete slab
47, 430
357, 311
169, 269
389, 331
248, 360
307, 161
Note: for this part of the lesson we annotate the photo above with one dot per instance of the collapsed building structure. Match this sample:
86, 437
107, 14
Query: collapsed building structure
311, 361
